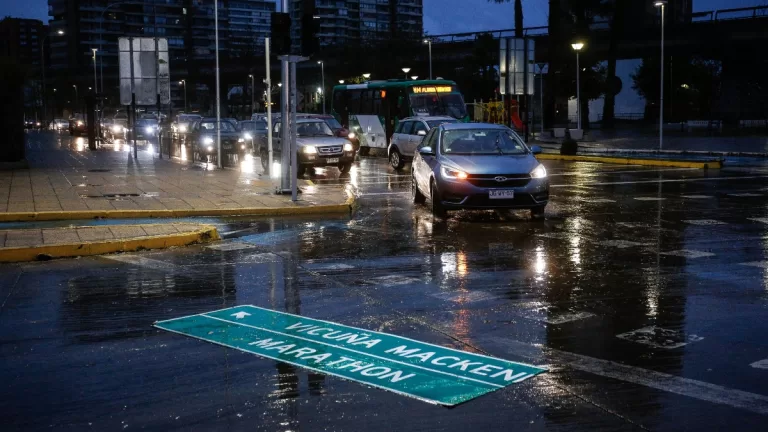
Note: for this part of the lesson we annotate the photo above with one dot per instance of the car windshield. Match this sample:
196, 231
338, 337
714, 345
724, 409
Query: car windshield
225, 126
435, 123
435, 104
481, 142
253, 126
315, 128
333, 123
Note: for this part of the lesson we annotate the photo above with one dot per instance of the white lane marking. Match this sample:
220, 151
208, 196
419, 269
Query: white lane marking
621, 244
704, 222
649, 199
761, 220
610, 172
658, 337
366, 194
321, 267
556, 235
553, 318
751, 402
687, 253
745, 194
697, 196
465, 296
659, 181
291, 335
143, 262
230, 246
633, 224
761, 364
598, 200
391, 280
758, 264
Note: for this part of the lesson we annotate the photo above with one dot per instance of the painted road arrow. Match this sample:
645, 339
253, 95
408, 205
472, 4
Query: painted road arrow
420, 370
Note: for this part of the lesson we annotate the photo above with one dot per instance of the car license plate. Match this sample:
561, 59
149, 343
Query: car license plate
501, 194
332, 160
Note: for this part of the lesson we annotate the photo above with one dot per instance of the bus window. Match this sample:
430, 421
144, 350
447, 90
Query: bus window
366, 102
353, 101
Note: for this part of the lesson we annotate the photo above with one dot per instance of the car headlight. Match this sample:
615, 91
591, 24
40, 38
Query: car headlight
79, 123
539, 172
351, 135
348, 147
117, 128
210, 148
182, 128
148, 129
207, 140
453, 174
309, 150
240, 140
248, 136
242, 146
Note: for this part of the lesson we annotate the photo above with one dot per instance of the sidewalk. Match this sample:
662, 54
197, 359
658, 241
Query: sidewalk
66, 181
36, 244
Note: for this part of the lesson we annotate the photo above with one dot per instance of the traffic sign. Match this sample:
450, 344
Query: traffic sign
427, 372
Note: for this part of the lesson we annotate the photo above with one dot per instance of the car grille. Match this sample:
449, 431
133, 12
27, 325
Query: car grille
484, 201
490, 180
329, 150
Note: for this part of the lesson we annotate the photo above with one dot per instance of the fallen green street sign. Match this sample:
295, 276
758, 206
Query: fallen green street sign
424, 371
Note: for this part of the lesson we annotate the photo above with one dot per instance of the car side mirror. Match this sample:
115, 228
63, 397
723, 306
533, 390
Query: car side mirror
421, 133
427, 151
535, 149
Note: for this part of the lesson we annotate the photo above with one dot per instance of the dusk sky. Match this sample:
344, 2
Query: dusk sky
440, 16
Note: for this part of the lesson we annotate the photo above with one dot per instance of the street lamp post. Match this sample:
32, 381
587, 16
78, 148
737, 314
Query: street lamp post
95, 81
322, 78
661, 4
77, 98
429, 42
253, 92
218, 84
184, 83
405, 71
577, 47
59, 32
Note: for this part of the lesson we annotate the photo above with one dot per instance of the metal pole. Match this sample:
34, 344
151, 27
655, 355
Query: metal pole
185, 94
578, 93
322, 74
218, 85
42, 72
253, 102
285, 159
95, 80
429, 42
541, 95
294, 167
269, 108
661, 90
133, 124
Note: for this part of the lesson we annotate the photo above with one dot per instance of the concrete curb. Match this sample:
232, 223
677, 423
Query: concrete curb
346, 207
632, 161
204, 234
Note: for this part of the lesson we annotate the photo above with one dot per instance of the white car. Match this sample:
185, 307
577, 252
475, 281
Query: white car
408, 135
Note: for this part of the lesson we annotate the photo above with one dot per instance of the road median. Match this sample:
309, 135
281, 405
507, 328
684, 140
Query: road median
43, 244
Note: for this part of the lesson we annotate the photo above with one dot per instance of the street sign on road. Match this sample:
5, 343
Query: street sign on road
427, 372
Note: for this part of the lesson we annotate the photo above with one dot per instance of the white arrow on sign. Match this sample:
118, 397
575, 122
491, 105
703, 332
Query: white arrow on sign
241, 315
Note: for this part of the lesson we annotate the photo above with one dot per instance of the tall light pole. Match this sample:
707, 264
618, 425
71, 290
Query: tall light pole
577, 47
95, 80
322, 78
405, 71
76, 96
253, 92
184, 83
661, 4
59, 32
218, 85
428, 41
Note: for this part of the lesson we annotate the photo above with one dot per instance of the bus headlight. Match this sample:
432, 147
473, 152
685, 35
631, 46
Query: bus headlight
539, 172
348, 147
207, 140
309, 150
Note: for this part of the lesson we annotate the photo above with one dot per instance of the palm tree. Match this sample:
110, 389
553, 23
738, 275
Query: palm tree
518, 15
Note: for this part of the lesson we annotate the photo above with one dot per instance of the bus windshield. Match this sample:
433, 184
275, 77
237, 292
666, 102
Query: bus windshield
450, 104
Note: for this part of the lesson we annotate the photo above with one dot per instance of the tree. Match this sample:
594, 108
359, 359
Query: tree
518, 15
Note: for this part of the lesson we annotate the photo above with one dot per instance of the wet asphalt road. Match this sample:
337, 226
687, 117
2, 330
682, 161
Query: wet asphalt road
679, 254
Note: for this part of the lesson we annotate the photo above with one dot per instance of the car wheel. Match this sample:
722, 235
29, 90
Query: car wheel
416, 195
396, 159
345, 167
264, 156
364, 151
434, 197
537, 212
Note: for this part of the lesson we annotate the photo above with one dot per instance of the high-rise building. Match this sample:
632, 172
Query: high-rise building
187, 24
341, 22
24, 42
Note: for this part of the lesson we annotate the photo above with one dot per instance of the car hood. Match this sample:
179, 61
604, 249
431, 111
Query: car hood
492, 164
223, 134
321, 141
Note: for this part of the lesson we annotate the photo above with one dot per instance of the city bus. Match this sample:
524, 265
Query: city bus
372, 110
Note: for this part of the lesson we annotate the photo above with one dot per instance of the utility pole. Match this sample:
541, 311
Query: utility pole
218, 85
322, 78
253, 92
269, 108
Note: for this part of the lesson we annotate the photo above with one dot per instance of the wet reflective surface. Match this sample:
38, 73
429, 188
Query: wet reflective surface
644, 290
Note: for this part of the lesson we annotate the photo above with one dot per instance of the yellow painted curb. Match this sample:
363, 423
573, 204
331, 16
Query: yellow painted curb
205, 234
632, 161
346, 207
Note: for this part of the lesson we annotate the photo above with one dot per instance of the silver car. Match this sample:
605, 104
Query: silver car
478, 166
408, 135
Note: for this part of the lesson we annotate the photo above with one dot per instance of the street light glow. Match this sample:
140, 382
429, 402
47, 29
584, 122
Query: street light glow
660, 3
60, 32
577, 46
414, 77
319, 90
341, 81
366, 75
319, 62
406, 70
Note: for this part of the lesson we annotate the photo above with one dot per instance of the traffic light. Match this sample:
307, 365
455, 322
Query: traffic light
310, 27
281, 33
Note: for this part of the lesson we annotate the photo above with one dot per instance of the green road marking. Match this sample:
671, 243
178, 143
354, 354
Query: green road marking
416, 369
